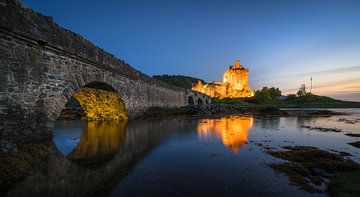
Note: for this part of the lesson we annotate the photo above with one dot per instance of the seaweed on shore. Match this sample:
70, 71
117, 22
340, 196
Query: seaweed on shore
322, 129
353, 134
355, 144
345, 184
349, 120
308, 166
15, 167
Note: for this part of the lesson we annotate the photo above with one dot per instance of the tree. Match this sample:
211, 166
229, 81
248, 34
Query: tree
274, 92
267, 94
302, 90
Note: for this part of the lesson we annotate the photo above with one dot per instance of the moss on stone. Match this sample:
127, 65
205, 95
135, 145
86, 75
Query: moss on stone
308, 166
15, 167
101, 104
345, 184
299, 175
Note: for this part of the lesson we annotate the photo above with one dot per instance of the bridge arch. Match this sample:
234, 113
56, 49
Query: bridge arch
200, 102
99, 101
44, 67
197, 98
191, 101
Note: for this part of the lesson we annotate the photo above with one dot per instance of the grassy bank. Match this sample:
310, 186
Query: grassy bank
307, 101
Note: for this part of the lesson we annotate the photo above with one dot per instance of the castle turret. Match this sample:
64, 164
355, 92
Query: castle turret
237, 64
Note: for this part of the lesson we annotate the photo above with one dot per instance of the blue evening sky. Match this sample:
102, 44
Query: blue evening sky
282, 42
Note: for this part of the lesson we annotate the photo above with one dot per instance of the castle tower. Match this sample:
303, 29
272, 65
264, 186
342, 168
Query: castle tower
237, 64
234, 84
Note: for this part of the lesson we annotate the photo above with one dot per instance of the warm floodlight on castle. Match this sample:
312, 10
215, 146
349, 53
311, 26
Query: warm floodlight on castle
234, 84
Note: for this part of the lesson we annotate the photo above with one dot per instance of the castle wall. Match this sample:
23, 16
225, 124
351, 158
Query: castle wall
234, 84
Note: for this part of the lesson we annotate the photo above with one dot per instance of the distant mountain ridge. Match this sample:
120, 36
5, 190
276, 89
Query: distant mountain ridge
178, 80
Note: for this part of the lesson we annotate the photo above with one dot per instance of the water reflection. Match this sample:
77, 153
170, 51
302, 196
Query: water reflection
269, 122
233, 132
67, 135
165, 158
99, 141
108, 149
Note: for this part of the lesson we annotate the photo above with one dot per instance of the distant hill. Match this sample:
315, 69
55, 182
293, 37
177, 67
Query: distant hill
312, 98
178, 80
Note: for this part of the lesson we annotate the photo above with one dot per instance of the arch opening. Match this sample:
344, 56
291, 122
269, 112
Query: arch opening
103, 110
200, 102
94, 101
191, 101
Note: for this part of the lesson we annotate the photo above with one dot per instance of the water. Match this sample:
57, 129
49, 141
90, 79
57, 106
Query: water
181, 157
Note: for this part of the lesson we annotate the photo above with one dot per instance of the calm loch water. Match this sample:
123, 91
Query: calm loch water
182, 157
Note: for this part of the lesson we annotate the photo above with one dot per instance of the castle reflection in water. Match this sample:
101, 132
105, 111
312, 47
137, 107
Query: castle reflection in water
233, 132
145, 156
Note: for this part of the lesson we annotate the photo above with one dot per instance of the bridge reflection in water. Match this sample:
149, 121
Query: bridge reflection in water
105, 153
100, 140
233, 132
99, 154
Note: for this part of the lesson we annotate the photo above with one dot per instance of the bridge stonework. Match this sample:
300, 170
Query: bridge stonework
42, 65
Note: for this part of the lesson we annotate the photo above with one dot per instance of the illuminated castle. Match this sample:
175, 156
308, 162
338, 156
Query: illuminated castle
234, 84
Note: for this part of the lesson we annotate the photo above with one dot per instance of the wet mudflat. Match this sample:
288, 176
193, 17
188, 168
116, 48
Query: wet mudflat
226, 156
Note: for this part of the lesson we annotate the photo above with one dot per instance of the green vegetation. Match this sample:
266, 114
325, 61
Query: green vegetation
302, 90
178, 80
267, 97
311, 100
345, 184
299, 175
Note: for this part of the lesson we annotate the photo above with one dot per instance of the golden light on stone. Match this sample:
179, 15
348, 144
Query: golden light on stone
234, 84
101, 104
233, 132
99, 140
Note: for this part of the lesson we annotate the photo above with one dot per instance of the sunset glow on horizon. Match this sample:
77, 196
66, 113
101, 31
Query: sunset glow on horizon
343, 83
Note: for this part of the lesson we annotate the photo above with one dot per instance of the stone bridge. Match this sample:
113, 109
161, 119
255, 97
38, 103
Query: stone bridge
196, 98
43, 65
